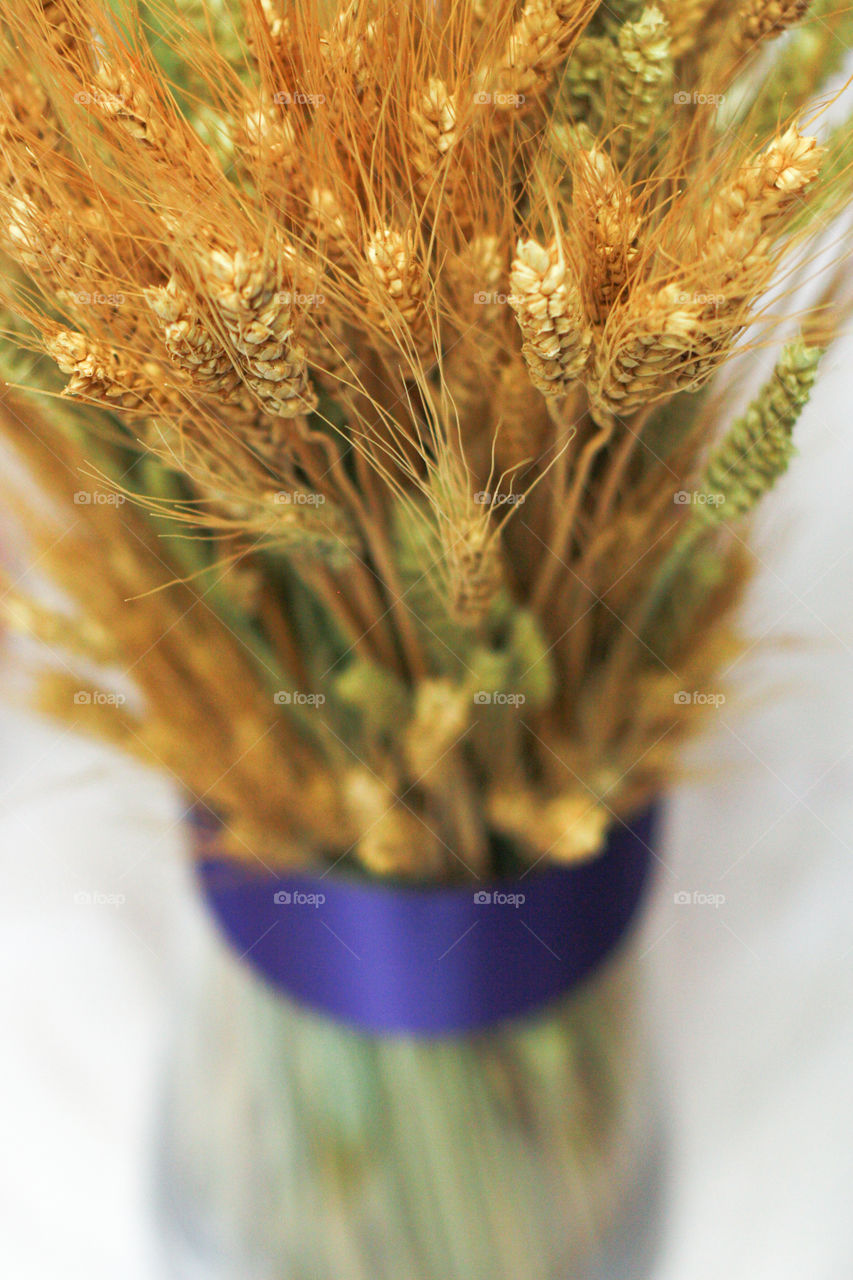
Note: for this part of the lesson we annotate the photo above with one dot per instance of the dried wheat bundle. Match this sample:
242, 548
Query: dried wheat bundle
356, 348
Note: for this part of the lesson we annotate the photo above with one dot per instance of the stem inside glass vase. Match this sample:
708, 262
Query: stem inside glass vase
297, 1147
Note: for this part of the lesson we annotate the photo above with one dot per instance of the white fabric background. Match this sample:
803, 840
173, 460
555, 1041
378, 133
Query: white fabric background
752, 999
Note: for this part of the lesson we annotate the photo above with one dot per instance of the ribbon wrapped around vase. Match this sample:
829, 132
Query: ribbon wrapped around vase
435, 960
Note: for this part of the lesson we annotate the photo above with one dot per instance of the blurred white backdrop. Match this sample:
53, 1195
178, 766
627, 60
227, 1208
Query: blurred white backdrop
752, 997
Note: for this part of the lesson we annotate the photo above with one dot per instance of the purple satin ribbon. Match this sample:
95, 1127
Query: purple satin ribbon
431, 961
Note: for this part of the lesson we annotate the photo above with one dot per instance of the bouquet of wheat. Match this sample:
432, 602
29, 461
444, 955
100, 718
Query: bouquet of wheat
369, 359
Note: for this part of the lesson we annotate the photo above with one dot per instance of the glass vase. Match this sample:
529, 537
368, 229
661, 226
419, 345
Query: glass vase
295, 1147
